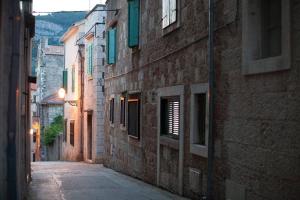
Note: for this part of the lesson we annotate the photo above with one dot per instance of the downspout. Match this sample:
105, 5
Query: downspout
211, 99
81, 99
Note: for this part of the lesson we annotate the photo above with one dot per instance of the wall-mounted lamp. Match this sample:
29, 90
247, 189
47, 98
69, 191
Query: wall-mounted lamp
62, 95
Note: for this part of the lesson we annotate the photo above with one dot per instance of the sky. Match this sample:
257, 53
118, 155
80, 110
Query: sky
64, 5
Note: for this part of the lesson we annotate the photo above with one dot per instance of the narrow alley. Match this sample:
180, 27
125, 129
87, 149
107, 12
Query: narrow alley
77, 180
150, 99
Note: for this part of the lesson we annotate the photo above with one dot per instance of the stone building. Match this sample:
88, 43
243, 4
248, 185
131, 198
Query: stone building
93, 100
73, 74
84, 68
157, 102
35, 125
50, 65
16, 32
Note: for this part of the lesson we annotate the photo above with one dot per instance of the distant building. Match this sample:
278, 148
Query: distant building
35, 125
157, 96
72, 75
50, 66
84, 77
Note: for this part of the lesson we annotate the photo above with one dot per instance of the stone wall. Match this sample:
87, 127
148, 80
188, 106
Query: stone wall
93, 85
256, 117
54, 150
14, 105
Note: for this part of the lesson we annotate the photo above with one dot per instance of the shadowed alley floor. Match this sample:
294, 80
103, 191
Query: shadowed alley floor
80, 181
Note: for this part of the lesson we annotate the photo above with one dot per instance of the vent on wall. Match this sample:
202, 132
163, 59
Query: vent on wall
195, 177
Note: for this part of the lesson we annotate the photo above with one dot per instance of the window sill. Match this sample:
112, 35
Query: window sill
199, 150
133, 137
132, 140
90, 77
169, 142
111, 125
171, 28
266, 65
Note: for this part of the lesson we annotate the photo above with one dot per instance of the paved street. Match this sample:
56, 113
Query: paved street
71, 180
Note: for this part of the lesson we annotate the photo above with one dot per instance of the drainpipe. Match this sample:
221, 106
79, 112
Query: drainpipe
81, 98
211, 95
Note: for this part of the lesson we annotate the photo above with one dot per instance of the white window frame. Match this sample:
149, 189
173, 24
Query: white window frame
170, 17
198, 149
251, 30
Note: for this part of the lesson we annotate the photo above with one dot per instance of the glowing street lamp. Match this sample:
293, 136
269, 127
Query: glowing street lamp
61, 93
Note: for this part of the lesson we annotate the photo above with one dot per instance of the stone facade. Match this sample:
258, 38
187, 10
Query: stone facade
50, 64
256, 124
16, 31
94, 86
85, 54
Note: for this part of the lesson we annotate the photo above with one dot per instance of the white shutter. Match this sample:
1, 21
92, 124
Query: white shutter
165, 13
173, 11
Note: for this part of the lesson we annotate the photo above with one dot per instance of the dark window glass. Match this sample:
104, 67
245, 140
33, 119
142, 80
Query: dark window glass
72, 127
134, 115
200, 100
271, 28
34, 137
65, 130
123, 111
111, 110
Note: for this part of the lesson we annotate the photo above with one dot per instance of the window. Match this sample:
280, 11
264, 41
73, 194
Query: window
103, 48
266, 36
170, 116
199, 119
169, 12
111, 110
134, 115
65, 80
111, 46
271, 28
103, 34
133, 22
123, 111
34, 99
34, 137
73, 79
72, 128
90, 60
65, 130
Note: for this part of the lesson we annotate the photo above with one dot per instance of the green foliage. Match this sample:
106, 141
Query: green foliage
52, 131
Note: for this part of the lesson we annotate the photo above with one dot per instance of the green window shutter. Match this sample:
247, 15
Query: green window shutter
65, 80
92, 57
133, 22
73, 79
88, 61
112, 48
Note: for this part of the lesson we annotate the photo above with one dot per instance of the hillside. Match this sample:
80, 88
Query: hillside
53, 26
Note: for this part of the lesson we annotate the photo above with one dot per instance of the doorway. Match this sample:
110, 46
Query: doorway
90, 134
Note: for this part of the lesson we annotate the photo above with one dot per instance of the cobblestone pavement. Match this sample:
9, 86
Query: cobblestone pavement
82, 181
